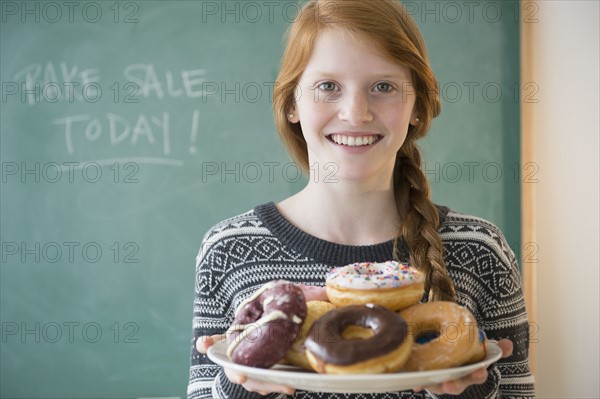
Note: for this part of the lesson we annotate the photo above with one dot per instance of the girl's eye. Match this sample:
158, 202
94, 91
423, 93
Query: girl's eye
327, 86
383, 87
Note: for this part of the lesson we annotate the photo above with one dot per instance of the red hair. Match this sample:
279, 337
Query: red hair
386, 25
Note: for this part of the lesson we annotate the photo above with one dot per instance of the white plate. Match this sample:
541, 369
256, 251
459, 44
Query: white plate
298, 378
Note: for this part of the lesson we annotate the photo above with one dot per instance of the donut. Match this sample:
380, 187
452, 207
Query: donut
390, 284
445, 335
266, 325
297, 353
378, 342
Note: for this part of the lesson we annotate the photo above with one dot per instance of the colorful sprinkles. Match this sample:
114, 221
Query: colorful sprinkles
370, 275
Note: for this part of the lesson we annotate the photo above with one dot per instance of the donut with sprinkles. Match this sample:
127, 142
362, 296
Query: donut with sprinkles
390, 284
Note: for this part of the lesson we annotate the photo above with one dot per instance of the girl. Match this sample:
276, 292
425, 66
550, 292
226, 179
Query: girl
354, 93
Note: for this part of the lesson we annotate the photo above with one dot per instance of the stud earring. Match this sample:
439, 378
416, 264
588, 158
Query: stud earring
290, 115
417, 120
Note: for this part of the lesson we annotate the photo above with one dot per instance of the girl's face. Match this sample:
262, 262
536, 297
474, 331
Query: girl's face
354, 107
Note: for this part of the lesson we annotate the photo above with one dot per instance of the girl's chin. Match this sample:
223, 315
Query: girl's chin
339, 173
335, 169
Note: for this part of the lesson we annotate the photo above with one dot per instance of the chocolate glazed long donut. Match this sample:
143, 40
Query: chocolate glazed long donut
266, 325
386, 350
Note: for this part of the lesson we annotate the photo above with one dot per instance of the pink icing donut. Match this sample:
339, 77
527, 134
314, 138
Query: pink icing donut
391, 284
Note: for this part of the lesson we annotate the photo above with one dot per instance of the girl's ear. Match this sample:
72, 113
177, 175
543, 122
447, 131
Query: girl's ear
292, 115
414, 120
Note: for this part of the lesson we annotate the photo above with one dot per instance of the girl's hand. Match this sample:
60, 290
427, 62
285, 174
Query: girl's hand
311, 293
456, 387
206, 341
263, 388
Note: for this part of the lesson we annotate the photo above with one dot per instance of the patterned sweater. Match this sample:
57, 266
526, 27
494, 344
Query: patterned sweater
240, 254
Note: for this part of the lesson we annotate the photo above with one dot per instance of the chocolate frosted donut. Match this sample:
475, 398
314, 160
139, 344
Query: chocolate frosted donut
266, 325
385, 350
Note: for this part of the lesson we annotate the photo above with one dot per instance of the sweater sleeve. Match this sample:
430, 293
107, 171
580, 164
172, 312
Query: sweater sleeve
488, 282
213, 310
206, 321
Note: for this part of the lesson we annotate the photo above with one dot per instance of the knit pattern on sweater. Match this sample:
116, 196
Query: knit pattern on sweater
242, 253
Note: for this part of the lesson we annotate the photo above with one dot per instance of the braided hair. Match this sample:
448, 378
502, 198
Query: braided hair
386, 25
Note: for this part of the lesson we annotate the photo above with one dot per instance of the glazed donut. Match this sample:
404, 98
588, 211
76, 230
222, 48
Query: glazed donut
379, 343
297, 353
266, 325
390, 284
445, 335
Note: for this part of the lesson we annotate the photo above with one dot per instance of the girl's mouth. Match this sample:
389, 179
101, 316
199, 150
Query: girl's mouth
354, 140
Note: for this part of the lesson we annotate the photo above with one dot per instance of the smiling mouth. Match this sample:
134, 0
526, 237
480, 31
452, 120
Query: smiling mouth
354, 141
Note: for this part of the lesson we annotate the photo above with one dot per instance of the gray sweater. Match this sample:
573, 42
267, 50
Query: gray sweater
242, 253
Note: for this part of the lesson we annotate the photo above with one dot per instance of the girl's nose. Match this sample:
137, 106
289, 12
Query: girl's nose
355, 109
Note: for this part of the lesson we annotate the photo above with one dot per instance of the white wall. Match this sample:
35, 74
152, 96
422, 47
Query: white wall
566, 129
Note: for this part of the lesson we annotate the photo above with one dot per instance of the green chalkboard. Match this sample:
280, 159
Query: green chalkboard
129, 128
